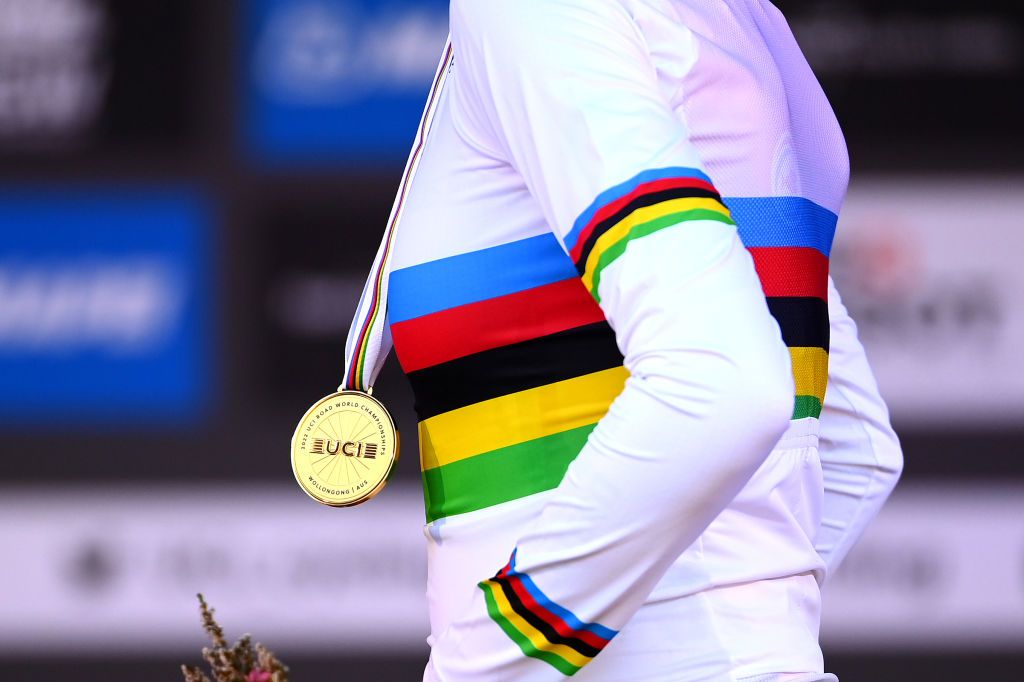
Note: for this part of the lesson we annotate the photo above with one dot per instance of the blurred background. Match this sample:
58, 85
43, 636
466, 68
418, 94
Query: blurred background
191, 193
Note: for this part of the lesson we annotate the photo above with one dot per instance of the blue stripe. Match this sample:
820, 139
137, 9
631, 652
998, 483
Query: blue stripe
568, 616
619, 191
783, 221
477, 276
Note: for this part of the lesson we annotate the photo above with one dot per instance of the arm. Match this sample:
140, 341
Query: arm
860, 454
565, 91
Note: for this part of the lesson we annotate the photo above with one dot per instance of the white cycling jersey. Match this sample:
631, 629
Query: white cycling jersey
610, 293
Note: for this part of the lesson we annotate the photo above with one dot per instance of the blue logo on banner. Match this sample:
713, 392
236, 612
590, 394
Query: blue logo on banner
104, 306
338, 81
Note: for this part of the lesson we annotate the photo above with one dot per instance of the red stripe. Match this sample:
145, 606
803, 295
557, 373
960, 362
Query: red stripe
560, 626
466, 329
514, 580
792, 271
613, 207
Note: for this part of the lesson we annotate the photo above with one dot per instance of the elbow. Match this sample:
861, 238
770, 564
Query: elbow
756, 398
764, 395
763, 386
757, 383
743, 394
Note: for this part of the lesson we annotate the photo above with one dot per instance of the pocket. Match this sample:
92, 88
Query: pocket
801, 487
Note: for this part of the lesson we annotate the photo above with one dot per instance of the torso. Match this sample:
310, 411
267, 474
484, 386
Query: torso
510, 359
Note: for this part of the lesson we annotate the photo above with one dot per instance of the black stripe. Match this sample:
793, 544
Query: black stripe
516, 367
802, 319
548, 630
640, 202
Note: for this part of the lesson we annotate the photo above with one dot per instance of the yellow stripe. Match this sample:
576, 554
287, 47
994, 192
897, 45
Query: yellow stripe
810, 371
643, 215
536, 638
518, 417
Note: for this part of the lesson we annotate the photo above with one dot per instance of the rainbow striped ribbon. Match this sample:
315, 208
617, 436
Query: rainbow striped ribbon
369, 340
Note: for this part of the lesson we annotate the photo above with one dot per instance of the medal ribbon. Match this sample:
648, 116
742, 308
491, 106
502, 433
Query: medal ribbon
369, 339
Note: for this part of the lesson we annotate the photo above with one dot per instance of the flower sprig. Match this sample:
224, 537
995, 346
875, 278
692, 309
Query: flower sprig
242, 662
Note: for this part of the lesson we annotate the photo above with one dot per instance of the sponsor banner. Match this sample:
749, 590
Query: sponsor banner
82, 71
930, 271
104, 305
113, 571
889, 66
343, 81
338, 80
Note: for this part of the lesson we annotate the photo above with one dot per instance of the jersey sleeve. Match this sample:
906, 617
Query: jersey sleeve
565, 92
573, 102
860, 454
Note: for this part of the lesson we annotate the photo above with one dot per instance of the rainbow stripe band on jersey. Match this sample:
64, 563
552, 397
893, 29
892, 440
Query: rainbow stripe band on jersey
790, 240
651, 201
540, 627
512, 364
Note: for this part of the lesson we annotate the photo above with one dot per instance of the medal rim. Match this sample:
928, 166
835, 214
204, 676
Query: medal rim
391, 466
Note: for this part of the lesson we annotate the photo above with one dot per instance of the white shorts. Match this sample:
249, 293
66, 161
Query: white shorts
763, 631
754, 629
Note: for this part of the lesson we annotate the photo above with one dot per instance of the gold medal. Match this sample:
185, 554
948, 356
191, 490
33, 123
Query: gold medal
344, 449
346, 446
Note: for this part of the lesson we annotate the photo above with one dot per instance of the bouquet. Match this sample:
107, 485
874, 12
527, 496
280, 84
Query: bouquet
243, 662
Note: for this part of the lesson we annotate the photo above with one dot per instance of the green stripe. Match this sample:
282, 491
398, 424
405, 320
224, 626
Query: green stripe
644, 229
563, 666
519, 470
501, 475
807, 406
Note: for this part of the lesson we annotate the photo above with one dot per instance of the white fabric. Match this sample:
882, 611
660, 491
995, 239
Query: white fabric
788, 677
860, 454
370, 329
715, 634
631, 502
679, 496
719, 635
668, 457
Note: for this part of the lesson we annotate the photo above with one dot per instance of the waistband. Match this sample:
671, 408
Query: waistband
802, 433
